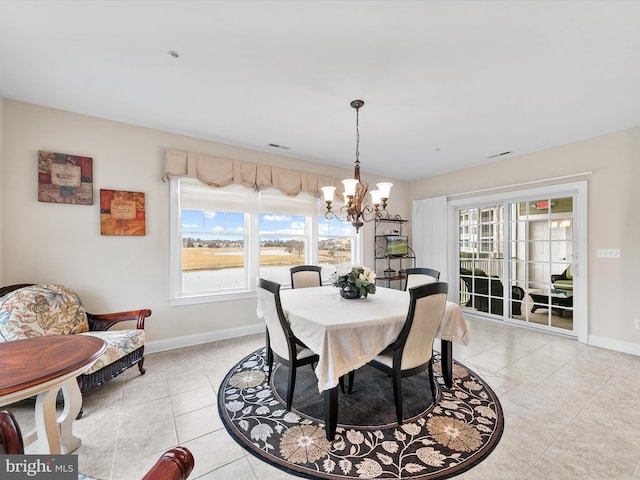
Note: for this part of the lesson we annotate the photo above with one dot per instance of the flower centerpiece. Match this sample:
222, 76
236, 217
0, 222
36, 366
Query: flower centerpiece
354, 282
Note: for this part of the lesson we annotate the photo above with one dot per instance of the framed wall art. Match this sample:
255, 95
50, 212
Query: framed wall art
122, 213
64, 178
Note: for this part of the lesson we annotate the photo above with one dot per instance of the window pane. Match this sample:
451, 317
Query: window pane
481, 258
280, 248
213, 251
335, 242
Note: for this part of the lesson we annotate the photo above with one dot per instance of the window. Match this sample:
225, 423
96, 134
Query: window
226, 237
335, 241
213, 251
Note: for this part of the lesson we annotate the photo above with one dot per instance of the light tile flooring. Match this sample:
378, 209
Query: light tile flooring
571, 411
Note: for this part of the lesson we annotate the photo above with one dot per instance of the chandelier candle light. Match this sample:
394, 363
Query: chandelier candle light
354, 209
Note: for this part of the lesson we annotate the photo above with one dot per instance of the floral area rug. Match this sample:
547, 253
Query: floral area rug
434, 442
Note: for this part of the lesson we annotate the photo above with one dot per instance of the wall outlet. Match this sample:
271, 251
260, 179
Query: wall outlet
637, 323
608, 253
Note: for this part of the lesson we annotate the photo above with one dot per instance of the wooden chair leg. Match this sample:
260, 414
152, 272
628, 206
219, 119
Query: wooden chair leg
432, 381
292, 384
397, 394
141, 366
269, 355
268, 345
351, 375
270, 369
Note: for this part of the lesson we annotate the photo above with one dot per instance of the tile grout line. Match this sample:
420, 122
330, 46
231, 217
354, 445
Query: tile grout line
115, 445
555, 440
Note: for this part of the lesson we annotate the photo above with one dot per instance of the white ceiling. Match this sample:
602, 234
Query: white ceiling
446, 84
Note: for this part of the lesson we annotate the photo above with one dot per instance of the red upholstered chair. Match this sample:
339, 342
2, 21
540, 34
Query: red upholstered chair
174, 464
10, 436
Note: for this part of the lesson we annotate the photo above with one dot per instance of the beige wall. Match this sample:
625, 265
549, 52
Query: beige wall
55, 243
613, 219
46, 242
1, 181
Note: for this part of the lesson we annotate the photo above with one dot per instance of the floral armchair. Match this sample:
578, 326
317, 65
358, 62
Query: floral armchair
28, 310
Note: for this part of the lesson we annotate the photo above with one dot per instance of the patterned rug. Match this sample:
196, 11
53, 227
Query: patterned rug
435, 442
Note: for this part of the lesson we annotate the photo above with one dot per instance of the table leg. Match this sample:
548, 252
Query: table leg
72, 406
47, 432
331, 412
446, 348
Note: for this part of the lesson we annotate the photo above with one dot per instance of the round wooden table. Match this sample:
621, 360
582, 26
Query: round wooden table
40, 367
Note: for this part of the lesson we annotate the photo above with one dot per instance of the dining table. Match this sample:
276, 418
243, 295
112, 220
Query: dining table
41, 367
347, 333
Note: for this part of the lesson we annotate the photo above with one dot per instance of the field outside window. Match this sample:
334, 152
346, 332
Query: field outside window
276, 231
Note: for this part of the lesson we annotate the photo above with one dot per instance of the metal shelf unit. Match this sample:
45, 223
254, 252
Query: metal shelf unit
390, 268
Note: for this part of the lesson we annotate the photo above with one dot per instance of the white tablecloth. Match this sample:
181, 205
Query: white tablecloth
346, 334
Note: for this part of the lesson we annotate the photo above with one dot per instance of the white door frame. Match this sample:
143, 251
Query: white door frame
579, 192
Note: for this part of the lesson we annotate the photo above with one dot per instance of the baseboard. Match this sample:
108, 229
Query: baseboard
200, 338
602, 342
611, 344
197, 339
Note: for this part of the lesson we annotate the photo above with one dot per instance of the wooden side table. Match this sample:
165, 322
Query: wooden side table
41, 367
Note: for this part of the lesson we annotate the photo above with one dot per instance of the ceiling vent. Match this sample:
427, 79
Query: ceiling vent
282, 147
499, 155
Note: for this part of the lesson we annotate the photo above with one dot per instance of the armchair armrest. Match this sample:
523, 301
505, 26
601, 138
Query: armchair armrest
104, 321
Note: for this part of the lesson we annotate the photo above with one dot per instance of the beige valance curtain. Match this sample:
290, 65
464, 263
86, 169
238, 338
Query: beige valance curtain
220, 172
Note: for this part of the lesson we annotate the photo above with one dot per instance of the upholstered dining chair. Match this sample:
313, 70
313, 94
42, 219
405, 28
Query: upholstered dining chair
174, 464
412, 352
306, 276
282, 343
420, 276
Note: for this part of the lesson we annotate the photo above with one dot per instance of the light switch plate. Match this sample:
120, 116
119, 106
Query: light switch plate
608, 253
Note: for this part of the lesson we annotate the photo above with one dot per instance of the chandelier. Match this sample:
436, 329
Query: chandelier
354, 209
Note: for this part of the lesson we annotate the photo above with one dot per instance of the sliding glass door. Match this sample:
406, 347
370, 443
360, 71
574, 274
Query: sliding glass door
482, 247
541, 260
517, 258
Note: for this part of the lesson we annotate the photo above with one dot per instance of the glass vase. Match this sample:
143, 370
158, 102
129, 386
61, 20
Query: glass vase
350, 292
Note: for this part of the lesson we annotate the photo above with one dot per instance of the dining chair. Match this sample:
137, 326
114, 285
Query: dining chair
303, 276
420, 276
284, 346
412, 352
174, 464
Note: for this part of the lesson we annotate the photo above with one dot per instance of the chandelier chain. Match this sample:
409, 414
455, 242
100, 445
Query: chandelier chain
358, 136
355, 210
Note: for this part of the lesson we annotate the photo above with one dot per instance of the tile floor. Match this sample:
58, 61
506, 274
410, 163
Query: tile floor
571, 411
